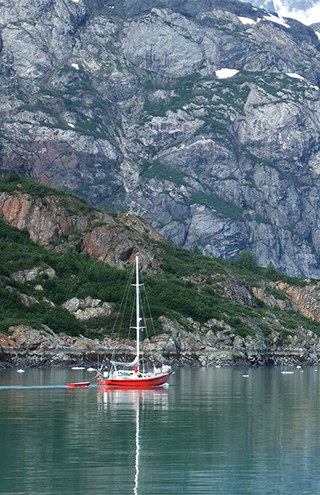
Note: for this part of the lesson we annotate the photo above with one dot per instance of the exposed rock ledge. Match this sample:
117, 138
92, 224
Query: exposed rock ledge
28, 347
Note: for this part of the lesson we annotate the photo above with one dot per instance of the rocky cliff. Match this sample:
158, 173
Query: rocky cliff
201, 117
60, 222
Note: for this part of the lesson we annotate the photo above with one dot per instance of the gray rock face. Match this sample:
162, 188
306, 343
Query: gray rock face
202, 117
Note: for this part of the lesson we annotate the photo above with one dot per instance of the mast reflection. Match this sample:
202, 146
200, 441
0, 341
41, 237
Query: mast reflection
112, 400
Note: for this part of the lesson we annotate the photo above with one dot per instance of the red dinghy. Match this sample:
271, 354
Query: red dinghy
120, 375
79, 384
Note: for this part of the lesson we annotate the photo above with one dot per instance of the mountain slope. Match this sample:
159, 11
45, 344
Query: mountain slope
207, 310
129, 105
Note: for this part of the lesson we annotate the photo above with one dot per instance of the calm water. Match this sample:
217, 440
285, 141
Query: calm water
213, 431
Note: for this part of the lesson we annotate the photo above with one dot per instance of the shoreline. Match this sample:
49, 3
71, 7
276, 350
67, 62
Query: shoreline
27, 347
17, 358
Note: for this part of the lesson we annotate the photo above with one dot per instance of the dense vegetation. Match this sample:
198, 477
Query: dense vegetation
189, 286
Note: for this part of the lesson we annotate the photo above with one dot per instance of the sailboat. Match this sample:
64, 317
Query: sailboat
129, 375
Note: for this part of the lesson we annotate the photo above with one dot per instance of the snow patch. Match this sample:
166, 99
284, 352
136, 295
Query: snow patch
295, 75
247, 20
301, 78
276, 20
306, 16
225, 73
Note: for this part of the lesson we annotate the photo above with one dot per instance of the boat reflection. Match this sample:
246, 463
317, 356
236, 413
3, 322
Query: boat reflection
111, 400
110, 397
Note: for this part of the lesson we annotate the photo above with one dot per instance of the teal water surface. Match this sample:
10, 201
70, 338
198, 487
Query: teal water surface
215, 431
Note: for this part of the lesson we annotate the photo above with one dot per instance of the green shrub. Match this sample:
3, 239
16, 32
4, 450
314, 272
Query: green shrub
246, 261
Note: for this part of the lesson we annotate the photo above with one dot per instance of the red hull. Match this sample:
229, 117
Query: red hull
136, 383
79, 384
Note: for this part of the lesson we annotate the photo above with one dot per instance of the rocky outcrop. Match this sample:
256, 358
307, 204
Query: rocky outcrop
306, 299
60, 222
26, 338
85, 309
45, 219
201, 117
32, 274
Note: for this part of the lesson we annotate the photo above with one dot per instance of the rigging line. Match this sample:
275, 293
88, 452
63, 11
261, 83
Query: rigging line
142, 300
124, 304
119, 321
131, 320
148, 313
144, 319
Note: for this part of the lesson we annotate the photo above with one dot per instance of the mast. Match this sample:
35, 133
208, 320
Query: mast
137, 310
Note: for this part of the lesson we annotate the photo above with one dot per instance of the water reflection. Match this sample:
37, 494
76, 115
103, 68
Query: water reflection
115, 400
213, 431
